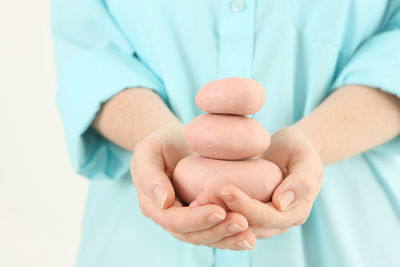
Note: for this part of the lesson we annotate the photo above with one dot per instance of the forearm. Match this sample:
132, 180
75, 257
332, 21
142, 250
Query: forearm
352, 120
131, 115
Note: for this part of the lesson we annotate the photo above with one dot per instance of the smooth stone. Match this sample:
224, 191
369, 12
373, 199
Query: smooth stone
256, 177
229, 137
240, 96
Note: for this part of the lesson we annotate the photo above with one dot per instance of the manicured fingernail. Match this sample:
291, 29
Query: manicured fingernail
247, 245
194, 204
160, 195
244, 244
215, 218
227, 197
285, 199
234, 228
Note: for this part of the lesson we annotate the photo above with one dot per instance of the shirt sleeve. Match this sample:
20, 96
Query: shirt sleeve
94, 61
377, 61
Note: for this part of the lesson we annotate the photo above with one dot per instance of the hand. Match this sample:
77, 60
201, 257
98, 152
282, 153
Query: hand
152, 166
292, 150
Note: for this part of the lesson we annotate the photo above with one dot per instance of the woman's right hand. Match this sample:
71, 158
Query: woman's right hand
152, 166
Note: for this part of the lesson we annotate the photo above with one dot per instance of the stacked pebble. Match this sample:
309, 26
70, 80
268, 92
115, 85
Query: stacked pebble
226, 140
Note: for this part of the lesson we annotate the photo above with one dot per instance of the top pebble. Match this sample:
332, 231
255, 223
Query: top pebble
239, 96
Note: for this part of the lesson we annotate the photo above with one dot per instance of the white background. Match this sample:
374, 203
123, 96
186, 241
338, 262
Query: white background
41, 199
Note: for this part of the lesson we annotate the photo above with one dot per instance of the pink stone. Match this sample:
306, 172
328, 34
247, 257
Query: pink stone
241, 96
256, 177
227, 137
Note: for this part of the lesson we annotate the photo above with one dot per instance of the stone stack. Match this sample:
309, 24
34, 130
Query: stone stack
226, 141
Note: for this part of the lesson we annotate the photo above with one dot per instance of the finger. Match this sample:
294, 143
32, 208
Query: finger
243, 241
256, 212
203, 198
150, 209
147, 169
265, 232
178, 236
301, 185
234, 223
207, 197
179, 219
184, 219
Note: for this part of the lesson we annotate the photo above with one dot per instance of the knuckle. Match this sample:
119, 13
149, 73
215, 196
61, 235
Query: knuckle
143, 209
166, 228
262, 233
170, 227
190, 239
186, 238
282, 230
301, 221
306, 185
268, 220
178, 236
197, 243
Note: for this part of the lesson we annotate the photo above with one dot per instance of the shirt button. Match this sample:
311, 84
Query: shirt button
237, 5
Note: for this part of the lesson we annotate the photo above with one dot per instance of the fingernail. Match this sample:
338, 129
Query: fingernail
234, 228
227, 197
194, 204
215, 218
244, 244
247, 245
160, 195
285, 199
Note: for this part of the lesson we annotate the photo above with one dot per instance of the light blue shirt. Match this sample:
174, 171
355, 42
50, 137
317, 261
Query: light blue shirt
299, 50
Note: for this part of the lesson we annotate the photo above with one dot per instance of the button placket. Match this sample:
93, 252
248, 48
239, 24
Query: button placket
236, 38
236, 49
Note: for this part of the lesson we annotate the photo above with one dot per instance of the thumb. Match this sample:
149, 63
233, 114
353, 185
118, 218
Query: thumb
301, 185
147, 170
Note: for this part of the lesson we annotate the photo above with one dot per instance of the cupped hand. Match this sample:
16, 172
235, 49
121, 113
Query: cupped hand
302, 168
152, 166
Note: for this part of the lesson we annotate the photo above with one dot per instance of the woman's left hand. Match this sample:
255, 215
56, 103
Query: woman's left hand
301, 165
